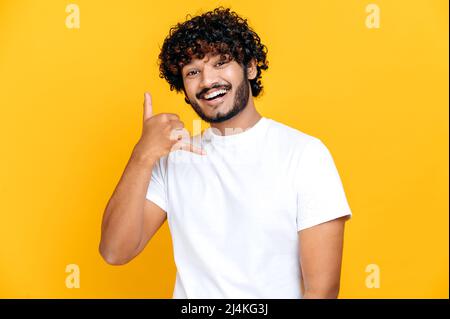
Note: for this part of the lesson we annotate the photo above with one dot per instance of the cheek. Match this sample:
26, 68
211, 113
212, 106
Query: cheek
234, 75
189, 90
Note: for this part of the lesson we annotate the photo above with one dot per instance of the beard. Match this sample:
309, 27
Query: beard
241, 98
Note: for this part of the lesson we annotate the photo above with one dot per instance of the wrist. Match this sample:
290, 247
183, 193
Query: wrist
143, 158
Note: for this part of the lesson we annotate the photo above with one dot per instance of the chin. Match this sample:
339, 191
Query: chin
222, 109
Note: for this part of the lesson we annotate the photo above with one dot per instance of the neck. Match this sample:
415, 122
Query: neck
248, 117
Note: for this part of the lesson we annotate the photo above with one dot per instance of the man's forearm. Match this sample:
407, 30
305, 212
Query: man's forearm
124, 213
321, 294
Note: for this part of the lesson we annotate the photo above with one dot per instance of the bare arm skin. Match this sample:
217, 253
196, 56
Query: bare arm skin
130, 220
320, 250
128, 214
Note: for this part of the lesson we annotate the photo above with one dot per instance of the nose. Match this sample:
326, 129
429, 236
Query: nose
208, 77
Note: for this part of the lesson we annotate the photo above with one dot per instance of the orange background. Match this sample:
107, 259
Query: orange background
71, 111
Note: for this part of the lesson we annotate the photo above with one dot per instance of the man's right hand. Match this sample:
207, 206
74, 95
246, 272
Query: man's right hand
161, 133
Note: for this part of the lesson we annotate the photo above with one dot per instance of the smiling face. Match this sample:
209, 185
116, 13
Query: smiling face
217, 87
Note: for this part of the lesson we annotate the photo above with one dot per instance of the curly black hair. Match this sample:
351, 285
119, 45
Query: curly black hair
220, 31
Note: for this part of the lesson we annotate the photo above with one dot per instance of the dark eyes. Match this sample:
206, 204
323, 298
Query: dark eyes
190, 73
193, 72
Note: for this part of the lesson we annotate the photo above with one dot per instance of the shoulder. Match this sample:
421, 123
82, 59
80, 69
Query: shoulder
290, 136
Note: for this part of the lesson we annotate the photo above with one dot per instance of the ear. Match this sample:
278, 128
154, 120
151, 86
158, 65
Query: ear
251, 69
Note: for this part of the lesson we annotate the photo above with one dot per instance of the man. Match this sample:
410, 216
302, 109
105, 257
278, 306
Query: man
256, 209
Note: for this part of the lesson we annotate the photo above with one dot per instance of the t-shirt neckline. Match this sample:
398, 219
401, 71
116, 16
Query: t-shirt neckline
251, 131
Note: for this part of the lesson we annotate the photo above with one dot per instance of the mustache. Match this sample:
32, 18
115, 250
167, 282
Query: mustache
215, 86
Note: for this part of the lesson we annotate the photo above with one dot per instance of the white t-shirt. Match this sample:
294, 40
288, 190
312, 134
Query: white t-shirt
234, 214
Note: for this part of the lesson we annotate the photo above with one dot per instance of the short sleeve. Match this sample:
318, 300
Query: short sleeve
320, 193
156, 191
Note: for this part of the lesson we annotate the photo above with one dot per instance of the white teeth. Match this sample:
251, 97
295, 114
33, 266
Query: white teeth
215, 93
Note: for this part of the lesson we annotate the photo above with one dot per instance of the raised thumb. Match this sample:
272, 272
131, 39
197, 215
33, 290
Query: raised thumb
148, 109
